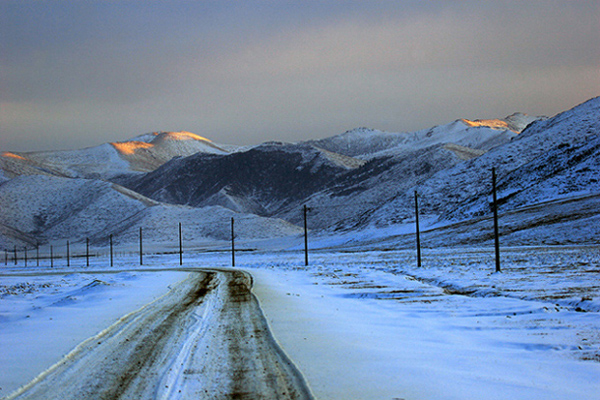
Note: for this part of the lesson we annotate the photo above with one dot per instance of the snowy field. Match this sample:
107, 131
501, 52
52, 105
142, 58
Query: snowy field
358, 325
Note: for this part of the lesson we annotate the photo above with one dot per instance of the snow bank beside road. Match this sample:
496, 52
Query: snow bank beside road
360, 329
44, 316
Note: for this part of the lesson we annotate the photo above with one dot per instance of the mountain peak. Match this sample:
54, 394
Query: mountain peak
181, 135
167, 135
147, 152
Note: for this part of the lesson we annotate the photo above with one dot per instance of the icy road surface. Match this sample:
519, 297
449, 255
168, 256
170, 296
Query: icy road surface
206, 338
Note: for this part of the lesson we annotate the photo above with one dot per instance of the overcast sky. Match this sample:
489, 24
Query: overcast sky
80, 73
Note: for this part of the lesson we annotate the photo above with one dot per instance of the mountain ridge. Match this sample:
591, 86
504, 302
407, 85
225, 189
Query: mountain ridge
357, 181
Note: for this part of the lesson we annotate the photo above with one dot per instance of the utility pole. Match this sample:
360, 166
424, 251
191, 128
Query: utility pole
15, 254
37, 254
68, 255
180, 246
141, 257
305, 237
25, 250
417, 229
495, 208
232, 243
87, 252
110, 238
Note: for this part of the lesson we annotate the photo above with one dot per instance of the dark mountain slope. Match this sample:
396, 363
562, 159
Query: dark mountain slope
350, 198
260, 180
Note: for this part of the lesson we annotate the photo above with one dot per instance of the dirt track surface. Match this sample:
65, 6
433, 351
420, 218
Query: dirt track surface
206, 339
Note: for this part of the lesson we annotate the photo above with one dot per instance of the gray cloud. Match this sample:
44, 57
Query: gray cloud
83, 74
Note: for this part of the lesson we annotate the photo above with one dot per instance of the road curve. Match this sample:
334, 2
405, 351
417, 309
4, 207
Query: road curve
205, 339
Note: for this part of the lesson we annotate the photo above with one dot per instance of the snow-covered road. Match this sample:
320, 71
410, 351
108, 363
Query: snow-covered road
361, 325
206, 338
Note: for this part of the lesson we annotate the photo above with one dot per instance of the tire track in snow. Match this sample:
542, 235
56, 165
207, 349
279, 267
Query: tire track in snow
205, 339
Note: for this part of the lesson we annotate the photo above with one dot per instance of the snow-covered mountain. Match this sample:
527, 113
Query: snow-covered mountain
277, 178
47, 209
484, 135
358, 181
553, 158
550, 162
141, 154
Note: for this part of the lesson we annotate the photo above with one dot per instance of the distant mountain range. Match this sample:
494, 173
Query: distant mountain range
356, 183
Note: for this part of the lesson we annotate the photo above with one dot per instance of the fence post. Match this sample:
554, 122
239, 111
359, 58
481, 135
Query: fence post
180, 246
417, 229
305, 237
495, 208
15, 254
68, 255
232, 244
25, 250
110, 238
51, 256
37, 254
141, 256
87, 252
5, 256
